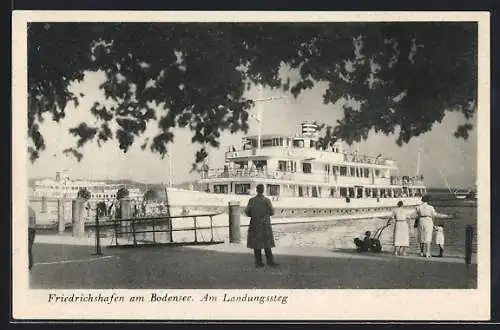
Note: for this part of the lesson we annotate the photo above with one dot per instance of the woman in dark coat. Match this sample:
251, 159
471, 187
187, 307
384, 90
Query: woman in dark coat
260, 234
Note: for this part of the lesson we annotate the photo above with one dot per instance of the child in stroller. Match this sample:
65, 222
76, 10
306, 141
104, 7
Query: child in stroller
370, 243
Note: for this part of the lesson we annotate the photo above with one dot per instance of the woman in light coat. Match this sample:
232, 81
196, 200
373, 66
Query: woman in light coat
426, 214
401, 237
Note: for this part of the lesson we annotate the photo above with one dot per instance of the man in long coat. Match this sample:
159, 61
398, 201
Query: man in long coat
260, 233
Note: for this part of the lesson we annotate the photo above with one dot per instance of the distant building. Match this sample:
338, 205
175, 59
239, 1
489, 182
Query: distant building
65, 187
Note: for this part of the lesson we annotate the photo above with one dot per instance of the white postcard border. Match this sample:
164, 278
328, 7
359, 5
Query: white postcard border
302, 304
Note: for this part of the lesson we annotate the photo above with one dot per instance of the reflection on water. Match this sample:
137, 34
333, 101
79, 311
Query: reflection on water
339, 234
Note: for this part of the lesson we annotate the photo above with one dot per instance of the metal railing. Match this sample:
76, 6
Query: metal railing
220, 173
155, 225
348, 157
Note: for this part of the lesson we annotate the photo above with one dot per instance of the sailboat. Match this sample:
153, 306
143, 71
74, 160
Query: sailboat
455, 193
472, 194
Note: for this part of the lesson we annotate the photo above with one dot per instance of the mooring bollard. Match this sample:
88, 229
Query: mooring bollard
125, 211
234, 222
44, 205
469, 231
78, 225
98, 251
61, 224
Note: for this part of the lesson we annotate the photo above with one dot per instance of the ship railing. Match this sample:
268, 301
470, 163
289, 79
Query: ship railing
253, 173
407, 180
349, 157
243, 173
280, 175
365, 159
132, 228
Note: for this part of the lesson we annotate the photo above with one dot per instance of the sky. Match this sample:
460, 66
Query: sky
441, 151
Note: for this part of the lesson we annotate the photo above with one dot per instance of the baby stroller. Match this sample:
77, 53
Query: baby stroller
370, 243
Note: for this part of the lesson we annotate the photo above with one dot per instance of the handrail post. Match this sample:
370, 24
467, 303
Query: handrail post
170, 224
195, 233
133, 232
115, 222
468, 244
97, 234
154, 231
211, 230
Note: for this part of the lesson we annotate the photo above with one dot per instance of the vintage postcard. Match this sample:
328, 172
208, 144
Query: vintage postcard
251, 165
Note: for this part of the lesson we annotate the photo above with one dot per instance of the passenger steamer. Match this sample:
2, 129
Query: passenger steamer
304, 182
65, 187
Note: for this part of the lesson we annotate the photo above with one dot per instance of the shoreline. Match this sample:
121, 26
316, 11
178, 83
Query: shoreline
89, 242
231, 266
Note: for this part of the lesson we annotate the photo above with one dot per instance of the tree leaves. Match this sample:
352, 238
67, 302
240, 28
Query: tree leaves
392, 77
151, 195
84, 194
84, 132
122, 193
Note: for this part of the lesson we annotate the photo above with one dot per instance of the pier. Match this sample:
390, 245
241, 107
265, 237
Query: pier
65, 261
68, 263
193, 253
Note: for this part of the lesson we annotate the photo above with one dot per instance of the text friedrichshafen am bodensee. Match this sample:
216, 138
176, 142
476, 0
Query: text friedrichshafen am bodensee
163, 297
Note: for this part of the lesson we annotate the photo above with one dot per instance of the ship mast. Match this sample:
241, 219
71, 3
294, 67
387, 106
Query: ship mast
445, 181
418, 161
170, 169
259, 117
260, 107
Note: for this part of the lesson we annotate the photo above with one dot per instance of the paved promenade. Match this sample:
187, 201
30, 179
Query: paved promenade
63, 262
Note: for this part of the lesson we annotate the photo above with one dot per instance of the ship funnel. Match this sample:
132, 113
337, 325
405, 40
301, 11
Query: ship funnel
310, 129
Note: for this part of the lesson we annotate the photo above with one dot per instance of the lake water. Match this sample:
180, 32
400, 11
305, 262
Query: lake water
339, 234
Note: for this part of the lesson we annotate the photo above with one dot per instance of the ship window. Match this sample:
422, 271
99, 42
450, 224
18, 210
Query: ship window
260, 164
360, 193
343, 171
277, 142
282, 165
377, 173
267, 143
343, 192
366, 172
242, 188
314, 192
351, 192
298, 143
306, 167
353, 171
273, 190
301, 191
221, 189
311, 144
332, 192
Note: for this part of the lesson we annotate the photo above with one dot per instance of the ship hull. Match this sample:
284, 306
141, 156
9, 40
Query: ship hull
288, 209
